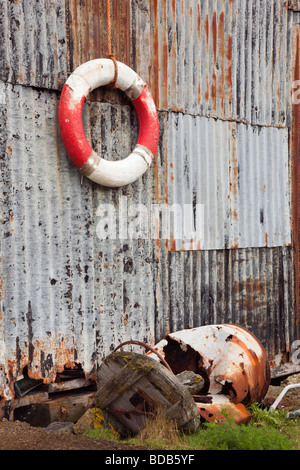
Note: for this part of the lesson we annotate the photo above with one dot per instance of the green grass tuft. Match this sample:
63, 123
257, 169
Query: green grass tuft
267, 430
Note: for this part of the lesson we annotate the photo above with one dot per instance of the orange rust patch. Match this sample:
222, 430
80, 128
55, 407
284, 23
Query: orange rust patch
229, 59
207, 31
214, 35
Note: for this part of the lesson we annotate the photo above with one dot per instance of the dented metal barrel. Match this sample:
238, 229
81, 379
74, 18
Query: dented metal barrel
231, 360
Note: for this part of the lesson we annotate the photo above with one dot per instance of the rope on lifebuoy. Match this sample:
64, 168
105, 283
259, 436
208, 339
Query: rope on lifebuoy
87, 77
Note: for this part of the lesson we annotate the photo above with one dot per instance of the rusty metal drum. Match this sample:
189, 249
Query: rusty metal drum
230, 358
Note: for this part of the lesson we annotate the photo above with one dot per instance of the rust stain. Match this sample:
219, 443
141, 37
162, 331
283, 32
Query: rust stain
215, 412
174, 47
295, 152
233, 181
207, 89
31, 355
246, 375
266, 238
234, 214
172, 244
229, 66
87, 38
258, 370
214, 91
154, 80
251, 293
164, 64
214, 76
21, 75
198, 22
199, 39
214, 35
294, 5
207, 31
222, 58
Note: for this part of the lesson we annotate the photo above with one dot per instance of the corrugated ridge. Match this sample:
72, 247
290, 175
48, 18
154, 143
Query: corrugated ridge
69, 297
33, 46
222, 58
239, 174
250, 287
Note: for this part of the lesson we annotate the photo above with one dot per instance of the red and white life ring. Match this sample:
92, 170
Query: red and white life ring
84, 79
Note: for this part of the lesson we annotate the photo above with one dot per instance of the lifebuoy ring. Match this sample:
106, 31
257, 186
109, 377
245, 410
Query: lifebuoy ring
82, 81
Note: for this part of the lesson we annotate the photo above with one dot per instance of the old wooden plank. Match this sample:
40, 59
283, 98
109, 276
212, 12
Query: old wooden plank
130, 422
67, 408
68, 385
125, 378
30, 398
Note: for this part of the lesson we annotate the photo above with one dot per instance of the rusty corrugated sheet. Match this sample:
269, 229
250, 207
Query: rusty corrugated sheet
234, 178
87, 34
238, 55
294, 5
295, 155
250, 287
43, 42
227, 59
33, 46
68, 297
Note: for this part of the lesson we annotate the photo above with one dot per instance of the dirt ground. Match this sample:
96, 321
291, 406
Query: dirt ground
21, 436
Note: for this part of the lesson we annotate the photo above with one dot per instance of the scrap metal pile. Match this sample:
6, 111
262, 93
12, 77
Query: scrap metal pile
194, 374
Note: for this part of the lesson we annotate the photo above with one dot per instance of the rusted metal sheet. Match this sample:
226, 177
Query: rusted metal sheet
87, 37
295, 153
33, 46
221, 408
233, 181
241, 56
69, 293
231, 360
87, 33
43, 42
227, 59
294, 5
250, 287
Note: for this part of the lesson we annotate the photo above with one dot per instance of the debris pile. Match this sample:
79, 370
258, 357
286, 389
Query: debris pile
193, 374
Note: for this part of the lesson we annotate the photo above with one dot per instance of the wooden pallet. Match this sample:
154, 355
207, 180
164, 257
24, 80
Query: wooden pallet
133, 387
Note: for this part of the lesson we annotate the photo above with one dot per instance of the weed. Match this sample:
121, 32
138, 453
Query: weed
101, 433
267, 430
231, 436
160, 432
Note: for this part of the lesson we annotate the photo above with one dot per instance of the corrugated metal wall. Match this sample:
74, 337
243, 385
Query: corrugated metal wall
220, 73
